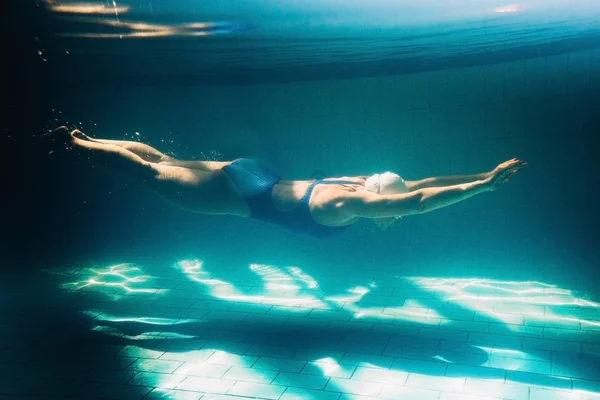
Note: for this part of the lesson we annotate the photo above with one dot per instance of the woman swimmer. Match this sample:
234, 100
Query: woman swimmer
247, 188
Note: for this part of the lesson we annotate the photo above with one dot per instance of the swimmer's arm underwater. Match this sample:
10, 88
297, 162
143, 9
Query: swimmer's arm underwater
370, 205
445, 181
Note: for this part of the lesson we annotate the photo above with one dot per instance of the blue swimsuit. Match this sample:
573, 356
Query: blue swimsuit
255, 182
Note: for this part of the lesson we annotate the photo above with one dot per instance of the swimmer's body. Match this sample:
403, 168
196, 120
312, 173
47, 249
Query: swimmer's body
247, 188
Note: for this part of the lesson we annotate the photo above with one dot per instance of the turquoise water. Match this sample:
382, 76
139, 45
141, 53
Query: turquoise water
494, 298
190, 42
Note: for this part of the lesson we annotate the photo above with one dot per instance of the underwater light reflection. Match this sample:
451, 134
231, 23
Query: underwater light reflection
86, 8
121, 29
411, 311
293, 282
300, 292
102, 316
531, 299
403, 383
508, 9
543, 300
276, 293
507, 353
305, 278
293, 287
111, 331
110, 281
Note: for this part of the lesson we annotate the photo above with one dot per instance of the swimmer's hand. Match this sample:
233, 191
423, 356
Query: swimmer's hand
503, 172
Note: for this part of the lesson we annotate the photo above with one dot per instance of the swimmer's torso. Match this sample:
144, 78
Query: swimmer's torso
215, 193
323, 208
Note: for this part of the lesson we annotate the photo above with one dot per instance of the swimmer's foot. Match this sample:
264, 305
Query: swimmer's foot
76, 133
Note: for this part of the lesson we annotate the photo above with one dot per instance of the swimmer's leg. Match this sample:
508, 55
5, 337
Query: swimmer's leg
110, 155
199, 165
142, 150
152, 155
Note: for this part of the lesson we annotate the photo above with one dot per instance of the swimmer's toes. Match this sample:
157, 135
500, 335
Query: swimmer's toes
76, 133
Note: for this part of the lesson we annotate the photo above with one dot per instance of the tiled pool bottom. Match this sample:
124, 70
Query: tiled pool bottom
133, 331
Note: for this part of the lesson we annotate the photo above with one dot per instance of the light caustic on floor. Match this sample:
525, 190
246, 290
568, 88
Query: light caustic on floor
281, 335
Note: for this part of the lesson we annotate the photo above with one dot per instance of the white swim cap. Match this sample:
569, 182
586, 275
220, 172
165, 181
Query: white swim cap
386, 183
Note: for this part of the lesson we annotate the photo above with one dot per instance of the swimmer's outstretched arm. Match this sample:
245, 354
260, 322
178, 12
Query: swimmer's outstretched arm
439, 181
370, 205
